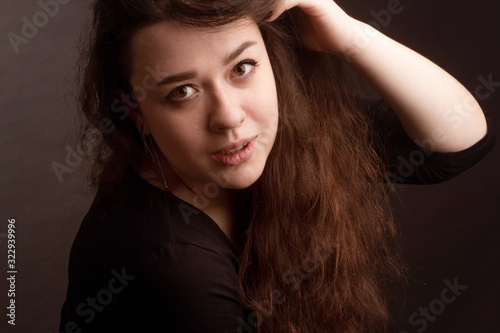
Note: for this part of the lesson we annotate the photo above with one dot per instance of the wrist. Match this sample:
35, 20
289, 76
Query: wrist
361, 39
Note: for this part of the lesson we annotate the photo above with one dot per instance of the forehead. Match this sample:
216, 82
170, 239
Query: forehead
169, 42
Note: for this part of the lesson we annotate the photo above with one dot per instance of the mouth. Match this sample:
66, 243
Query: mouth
236, 153
235, 150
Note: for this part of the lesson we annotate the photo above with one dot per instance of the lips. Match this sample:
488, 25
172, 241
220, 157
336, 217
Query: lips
240, 144
235, 150
236, 153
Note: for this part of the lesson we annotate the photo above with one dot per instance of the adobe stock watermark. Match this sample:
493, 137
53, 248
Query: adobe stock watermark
202, 197
121, 108
421, 318
294, 278
74, 156
31, 27
462, 111
89, 308
381, 18
455, 116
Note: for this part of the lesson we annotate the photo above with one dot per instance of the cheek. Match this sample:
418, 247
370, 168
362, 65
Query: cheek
264, 97
267, 105
179, 138
183, 152
175, 136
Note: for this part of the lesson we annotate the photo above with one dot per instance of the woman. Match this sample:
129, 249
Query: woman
240, 187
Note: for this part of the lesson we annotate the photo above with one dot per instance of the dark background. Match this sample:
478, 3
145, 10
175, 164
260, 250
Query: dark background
448, 231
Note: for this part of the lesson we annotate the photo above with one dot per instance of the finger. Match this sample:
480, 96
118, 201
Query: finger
280, 7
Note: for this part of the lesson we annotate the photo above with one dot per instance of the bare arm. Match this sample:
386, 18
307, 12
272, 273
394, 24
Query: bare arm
422, 94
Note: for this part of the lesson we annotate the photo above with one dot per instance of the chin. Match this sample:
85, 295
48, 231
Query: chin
244, 179
241, 184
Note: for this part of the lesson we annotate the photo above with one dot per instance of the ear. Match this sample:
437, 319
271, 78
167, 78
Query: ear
137, 117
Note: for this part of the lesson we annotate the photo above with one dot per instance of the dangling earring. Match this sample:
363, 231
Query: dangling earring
151, 153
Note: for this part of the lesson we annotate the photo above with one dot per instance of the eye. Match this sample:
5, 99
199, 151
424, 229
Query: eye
243, 68
182, 92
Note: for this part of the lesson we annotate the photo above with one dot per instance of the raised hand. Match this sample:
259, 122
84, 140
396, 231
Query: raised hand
324, 26
420, 93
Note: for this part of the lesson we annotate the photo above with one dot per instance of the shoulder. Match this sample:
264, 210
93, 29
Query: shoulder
126, 223
170, 263
141, 219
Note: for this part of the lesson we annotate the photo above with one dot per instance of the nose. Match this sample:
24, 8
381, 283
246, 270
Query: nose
226, 111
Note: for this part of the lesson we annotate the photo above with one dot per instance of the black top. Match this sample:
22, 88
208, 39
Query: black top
147, 261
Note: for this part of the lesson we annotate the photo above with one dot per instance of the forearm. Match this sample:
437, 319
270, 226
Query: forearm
432, 106
426, 99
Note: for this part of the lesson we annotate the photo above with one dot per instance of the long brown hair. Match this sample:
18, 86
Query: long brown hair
319, 246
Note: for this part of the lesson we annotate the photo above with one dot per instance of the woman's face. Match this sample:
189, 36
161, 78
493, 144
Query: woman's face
211, 103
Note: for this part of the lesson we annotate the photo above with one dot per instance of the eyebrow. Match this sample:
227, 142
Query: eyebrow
177, 78
184, 76
233, 55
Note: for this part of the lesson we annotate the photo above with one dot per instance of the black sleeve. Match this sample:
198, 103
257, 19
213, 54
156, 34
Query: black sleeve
409, 163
